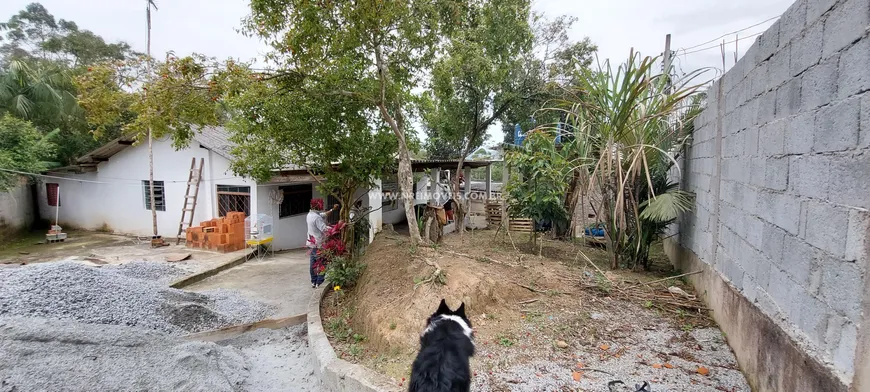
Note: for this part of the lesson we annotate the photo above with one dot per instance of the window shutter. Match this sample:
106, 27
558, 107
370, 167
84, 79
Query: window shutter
51, 194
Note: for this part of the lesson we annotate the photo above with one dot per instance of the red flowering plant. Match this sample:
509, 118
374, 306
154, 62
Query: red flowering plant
333, 246
335, 258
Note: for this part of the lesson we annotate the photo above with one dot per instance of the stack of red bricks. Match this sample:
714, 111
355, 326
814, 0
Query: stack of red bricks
225, 234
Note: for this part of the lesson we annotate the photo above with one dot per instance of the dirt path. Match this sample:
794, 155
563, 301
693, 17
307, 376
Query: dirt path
281, 280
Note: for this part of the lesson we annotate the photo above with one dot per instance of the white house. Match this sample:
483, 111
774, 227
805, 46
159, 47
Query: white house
108, 189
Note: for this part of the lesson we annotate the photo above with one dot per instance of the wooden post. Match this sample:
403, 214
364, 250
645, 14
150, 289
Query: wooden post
488, 184
505, 175
434, 180
467, 192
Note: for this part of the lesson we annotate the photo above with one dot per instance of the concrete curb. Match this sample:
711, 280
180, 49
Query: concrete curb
191, 279
338, 375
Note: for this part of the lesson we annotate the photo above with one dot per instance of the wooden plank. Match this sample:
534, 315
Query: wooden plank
520, 224
172, 257
189, 280
236, 330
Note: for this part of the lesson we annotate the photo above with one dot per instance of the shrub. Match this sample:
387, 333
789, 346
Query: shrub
343, 271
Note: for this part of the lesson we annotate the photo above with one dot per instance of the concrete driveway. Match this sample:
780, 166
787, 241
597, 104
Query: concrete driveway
281, 280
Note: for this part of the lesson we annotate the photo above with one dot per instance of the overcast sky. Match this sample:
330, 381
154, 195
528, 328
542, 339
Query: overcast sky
210, 26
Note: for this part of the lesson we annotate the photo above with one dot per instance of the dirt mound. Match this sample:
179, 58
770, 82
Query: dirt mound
391, 304
541, 323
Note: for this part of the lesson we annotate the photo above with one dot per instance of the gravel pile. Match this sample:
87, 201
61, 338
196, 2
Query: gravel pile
114, 295
55, 355
149, 270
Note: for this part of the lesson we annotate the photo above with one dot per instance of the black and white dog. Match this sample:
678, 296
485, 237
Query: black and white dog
446, 346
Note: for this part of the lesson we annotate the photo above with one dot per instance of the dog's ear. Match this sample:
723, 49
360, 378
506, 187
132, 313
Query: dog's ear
443, 308
461, 311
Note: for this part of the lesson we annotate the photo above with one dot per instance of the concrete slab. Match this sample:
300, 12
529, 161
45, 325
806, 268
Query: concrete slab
281, 280
95, 249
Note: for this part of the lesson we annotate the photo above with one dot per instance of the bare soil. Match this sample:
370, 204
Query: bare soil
30, 247
550, 323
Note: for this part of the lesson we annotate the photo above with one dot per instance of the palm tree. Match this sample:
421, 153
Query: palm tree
148, 5
625, 137
35, 93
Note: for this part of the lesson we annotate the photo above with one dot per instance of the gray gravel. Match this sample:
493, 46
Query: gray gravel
685, 352
118, 295
279, 360
155, 271
53, 355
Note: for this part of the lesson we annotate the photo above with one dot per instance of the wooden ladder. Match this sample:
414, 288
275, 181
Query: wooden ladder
193, 179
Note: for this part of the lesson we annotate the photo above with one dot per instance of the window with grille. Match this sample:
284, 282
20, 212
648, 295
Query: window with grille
297, 200
51, 194
233, 198
159, 195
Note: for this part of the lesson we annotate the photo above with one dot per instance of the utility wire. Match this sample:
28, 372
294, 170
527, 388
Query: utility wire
733, 32
133, 182
719, 44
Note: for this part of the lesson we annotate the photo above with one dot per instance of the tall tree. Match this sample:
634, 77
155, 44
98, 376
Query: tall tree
33, 34
40, 93
551, 68
39, 54
151, 100
473, 83
375, 50
22, 148
329, 135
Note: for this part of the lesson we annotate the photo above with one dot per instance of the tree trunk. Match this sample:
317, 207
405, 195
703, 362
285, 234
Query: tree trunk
459, 198
571, 203
405, 175
406, 184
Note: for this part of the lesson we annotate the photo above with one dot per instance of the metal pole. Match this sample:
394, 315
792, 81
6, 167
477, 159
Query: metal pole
668, 59
57, 207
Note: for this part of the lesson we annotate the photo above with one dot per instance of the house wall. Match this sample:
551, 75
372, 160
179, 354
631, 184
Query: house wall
290, 232
372, 198
114, 195
376, 217
780, 166
16, 209
393, 215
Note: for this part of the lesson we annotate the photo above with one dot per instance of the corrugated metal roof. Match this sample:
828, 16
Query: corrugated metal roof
104, 152
446, 163
216, 139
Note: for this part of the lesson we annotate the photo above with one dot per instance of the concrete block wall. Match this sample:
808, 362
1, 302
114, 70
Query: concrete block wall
780, 165
16, 209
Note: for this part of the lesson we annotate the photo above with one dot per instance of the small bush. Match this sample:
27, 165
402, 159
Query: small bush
342, 271
338, 329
